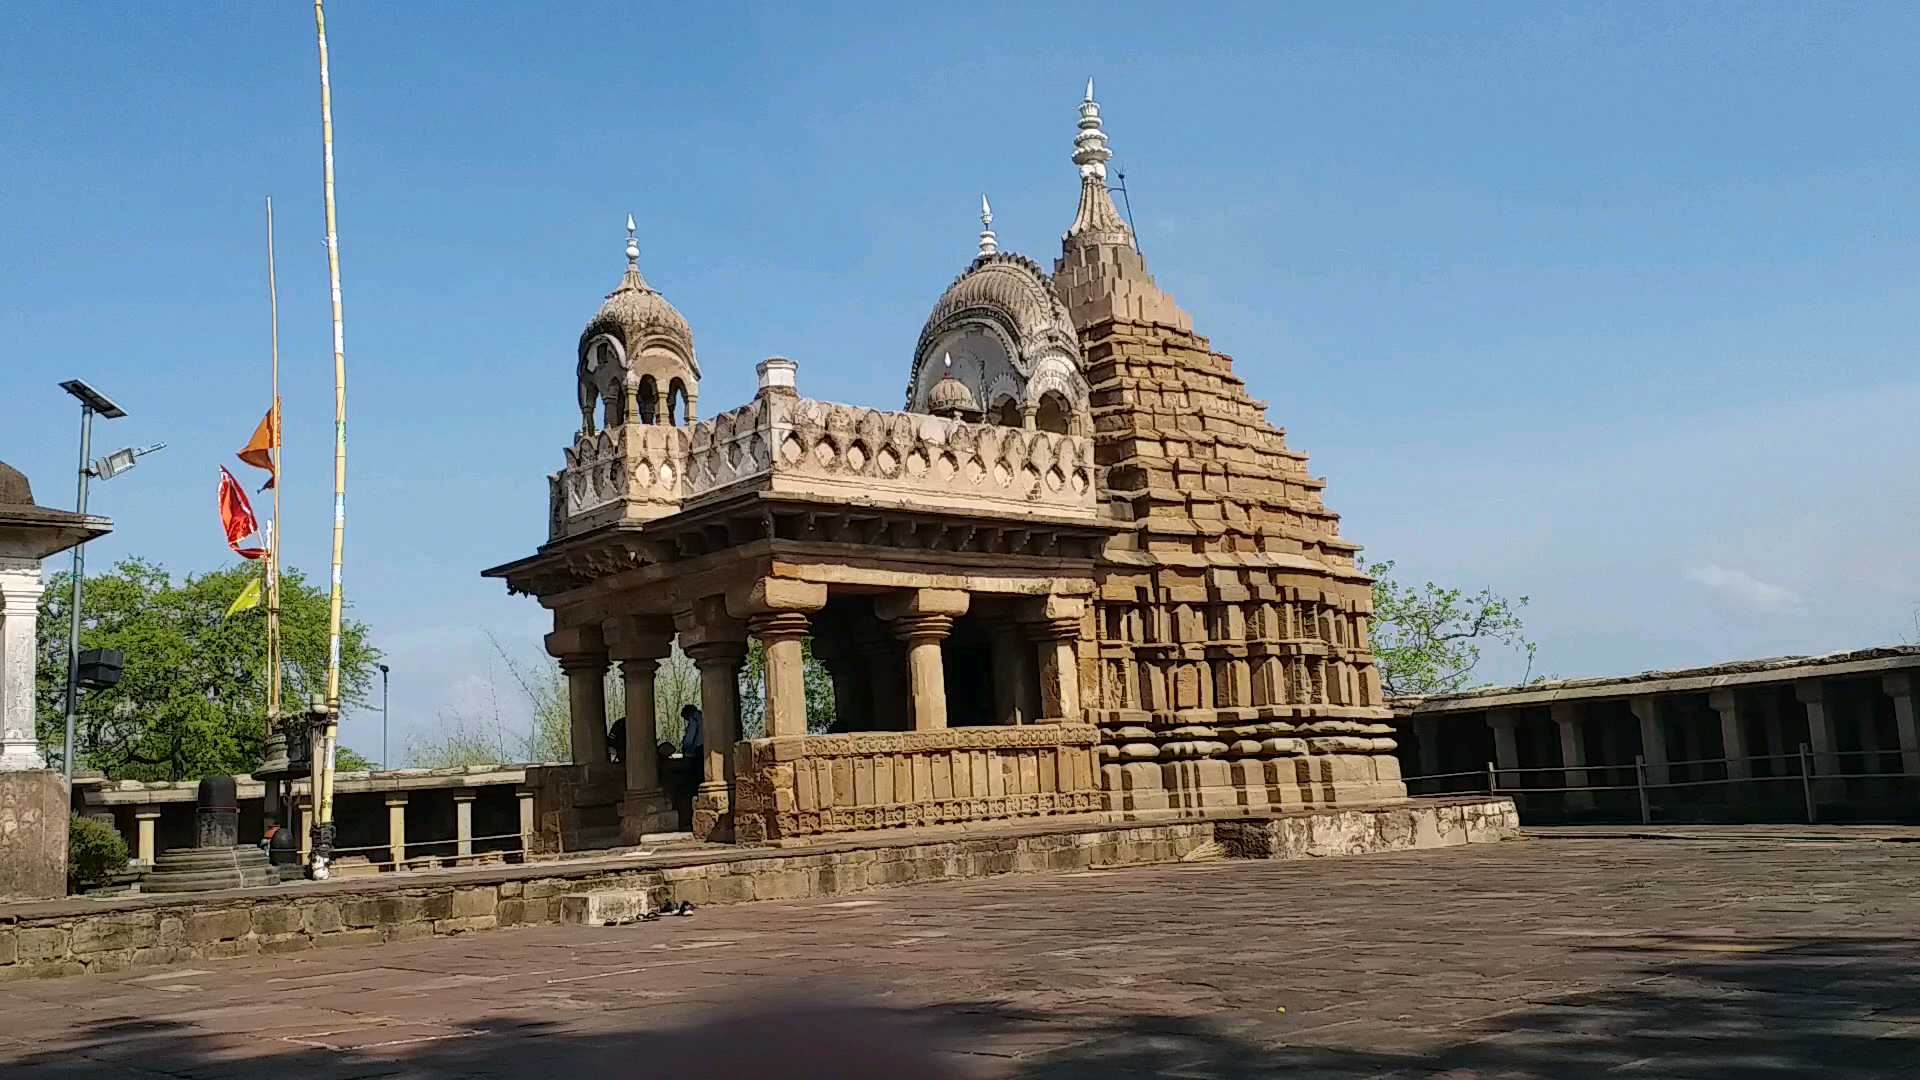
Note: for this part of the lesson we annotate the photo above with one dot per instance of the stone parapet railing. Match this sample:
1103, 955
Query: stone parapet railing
811, 785
794, 445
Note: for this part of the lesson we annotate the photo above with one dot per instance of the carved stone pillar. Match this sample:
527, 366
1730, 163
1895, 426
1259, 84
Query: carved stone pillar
639, 645
397, 828
145, 819
20, 591
660, 414
782, 633
1573, 754
719, 664
583, 657
631, 403
1653, 736
923, 618
1059, 664
1903, 687
463, 821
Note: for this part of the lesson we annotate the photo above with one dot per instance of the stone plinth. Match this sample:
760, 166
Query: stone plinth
33, 834
817, 784
576, 807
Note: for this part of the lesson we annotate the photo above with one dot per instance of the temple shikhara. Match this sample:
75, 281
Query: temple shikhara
1077, 572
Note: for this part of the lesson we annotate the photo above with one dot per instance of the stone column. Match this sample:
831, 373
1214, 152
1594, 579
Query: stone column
397, 828
782, 634
1573, 754
1812, 696
1733, 740
1053, 622
143, 822
1653, 736
525, 796
20, 591
583, 657
1506, 747
923, 618
1011, 675
639, 645
1426, 738
717, 644
463, 821
302, 815
1901, 687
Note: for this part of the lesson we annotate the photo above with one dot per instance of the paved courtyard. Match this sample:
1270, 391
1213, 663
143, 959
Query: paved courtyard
1560, 956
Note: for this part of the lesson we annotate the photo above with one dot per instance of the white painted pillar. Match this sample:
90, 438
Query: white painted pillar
145, 820
20, 591
397, 828
463, 822
525, 796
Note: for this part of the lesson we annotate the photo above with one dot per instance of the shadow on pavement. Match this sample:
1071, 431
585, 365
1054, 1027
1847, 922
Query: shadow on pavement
1697, 1005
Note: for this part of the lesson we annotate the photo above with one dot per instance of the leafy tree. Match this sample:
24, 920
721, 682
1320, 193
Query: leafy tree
192, 699
1427, 638
346, 759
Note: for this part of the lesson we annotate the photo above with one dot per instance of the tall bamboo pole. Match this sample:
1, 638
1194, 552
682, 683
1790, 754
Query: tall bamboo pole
323, 765
273, 538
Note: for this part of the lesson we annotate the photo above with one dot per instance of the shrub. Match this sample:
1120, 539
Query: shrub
95, 852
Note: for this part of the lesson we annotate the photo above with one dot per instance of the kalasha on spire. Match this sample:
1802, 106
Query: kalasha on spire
989, 243
1097, 221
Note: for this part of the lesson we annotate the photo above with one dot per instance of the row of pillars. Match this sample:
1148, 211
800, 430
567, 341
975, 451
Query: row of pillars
715, 639
147, 818
1730, 708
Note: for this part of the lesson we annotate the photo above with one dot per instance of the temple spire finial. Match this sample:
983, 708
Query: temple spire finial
633, 245
1097, 221
989, 243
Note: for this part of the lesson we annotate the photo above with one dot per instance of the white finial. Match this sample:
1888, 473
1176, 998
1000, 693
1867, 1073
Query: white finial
946, 362
1090, 145
633, 245
989, 243
1089, 88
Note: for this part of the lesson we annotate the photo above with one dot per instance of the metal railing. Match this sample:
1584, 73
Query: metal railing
1819, 778
386, 849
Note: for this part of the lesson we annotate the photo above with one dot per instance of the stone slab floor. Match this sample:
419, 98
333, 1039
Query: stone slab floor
1558, 956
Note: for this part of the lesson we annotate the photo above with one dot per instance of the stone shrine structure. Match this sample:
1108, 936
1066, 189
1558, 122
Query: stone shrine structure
33, 798
1078, 572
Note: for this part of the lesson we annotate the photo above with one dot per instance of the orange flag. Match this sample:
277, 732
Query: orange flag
236, 516
259, 449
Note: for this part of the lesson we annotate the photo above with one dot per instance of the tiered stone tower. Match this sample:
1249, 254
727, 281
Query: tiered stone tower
1229, 664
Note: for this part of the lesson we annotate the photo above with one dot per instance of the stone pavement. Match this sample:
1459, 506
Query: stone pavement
1559, 956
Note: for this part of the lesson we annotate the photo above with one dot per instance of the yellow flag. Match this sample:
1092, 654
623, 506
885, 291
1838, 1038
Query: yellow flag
249, 597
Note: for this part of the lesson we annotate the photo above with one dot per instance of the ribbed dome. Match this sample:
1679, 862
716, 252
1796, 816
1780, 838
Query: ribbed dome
950, 395
638, 316
1014, 288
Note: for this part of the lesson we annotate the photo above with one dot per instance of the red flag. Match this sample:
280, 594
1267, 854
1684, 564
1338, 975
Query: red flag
236, 516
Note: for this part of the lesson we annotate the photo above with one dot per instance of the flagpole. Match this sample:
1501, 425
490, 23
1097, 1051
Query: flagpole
323, 765
273, 537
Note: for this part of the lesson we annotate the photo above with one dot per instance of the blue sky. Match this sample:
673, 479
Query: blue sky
1609, 306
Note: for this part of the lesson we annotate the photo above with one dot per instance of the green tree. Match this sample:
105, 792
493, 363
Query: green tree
192, 699
1427, 638
346, 759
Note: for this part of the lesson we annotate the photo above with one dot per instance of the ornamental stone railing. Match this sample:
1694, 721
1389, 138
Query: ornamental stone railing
794, 445
809, 785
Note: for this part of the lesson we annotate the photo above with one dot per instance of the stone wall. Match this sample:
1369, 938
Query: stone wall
33, 834
803, 786
76, 937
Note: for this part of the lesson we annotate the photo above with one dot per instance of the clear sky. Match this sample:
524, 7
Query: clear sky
1609, 305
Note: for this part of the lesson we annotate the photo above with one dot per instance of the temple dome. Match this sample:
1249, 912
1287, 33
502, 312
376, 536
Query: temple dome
951, 396
1004, 327
637, 316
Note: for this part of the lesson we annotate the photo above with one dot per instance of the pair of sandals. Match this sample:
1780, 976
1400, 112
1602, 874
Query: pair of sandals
685, 907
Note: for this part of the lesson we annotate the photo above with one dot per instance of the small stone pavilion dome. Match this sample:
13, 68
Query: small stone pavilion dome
1002, 334
950, 397
636, 355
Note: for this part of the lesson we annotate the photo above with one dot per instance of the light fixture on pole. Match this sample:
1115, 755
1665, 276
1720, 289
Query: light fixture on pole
384, 762
91, 401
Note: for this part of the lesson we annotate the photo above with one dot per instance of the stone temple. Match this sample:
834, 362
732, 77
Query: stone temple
1078, 572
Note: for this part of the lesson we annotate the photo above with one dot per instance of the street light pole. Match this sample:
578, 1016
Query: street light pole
384, 763
73, 601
